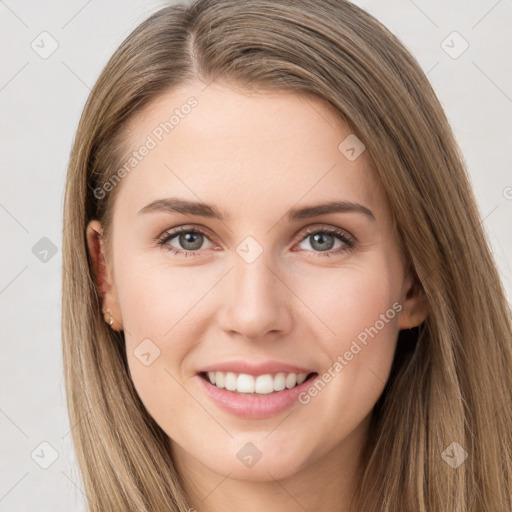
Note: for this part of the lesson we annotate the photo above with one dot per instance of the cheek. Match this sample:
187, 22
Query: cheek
163, 314
348, 300
156, 299
358, 309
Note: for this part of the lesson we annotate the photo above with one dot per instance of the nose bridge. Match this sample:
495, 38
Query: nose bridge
253, 280
256, 302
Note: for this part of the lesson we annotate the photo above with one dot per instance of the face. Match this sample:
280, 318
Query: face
258, 288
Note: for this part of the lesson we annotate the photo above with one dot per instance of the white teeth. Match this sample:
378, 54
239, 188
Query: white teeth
291, 380
245, 383
279, 381
301, 378
230, 381
262, 384
220, 378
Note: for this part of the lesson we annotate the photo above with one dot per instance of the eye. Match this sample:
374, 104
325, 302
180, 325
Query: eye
189, 239
322, 240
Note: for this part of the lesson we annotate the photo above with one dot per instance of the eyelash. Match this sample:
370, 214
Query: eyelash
342, 235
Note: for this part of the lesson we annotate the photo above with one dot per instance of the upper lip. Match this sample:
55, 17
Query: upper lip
261, 368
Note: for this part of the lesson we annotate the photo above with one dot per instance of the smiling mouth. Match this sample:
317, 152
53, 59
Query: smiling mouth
245, 384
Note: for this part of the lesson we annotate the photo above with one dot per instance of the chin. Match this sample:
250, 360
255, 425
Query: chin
255, 458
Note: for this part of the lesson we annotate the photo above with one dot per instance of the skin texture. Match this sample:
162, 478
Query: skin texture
255, 156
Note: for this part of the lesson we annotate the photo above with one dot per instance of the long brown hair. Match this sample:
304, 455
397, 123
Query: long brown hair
451, 380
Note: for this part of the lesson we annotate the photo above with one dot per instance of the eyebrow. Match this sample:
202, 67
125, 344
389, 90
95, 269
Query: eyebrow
176, 205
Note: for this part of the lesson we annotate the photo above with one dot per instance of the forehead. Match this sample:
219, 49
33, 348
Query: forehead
223, 144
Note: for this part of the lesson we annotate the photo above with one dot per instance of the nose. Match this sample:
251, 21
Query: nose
256, 304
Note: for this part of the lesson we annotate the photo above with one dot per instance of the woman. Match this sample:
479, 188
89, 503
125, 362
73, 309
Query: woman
277, 293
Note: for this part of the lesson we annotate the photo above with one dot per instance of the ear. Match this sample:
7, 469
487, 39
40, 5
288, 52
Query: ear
103, 275
414, 303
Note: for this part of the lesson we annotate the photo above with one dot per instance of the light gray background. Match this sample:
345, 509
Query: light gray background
40, 104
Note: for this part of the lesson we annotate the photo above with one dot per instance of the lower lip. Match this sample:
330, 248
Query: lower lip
255, 405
